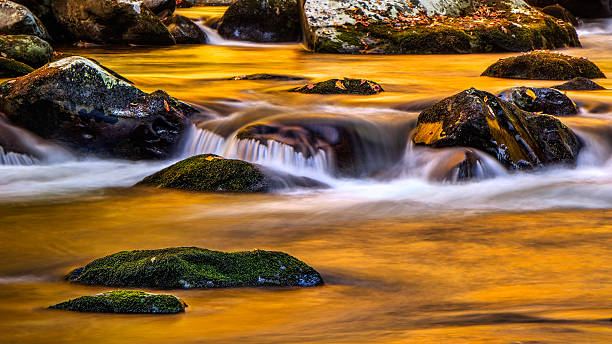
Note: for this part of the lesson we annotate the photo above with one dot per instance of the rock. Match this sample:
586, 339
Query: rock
432, 26
18, 20
162, 8
541, 100
43, 10
10, 68
580, 8
30, 50
276, 77
125, 301
579, 84
193, 267
184, 30
480, 120
261, 21
212, 173
540, 65
185, 3
111, 21
560, 12
79, 104
338, 86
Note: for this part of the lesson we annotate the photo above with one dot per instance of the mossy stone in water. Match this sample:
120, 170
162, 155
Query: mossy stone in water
541, 65
339, 86
579, 84
125, 301
193, 267
30, 50
10, 68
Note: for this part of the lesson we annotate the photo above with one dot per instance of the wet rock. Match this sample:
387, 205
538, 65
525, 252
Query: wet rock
275, 77
540, 65
261, 21
162, 8
518, 139
560, 12
111, 21
43, 10
541, 100
579, 84
580, 8
16, 19
30, 50
10, 68
79, 104
185, 3
184, 30
193, 267
125, 301
434, 26
339, 86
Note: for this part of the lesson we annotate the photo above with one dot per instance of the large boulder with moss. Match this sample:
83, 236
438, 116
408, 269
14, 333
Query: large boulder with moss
81, 105
10, 68
541, 100
193, 267
125, 302
341, 86
579, 84
30, 50
262, 21
518, 139
580, 8
16, 19
184, 30
432, 26
542, 65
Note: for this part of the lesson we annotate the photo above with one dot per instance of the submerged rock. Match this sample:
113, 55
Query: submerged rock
125, 301
433, 26
518, 139
579, 84
262, 76
339, 86
162, 8
262, 21
16, 19
541, 100
76, 102
184, 30
30, 50
193, 267
541, 65
580, 8
10, 68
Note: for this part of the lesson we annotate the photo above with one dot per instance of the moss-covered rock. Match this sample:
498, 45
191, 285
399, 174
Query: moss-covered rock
543, 65
541, 100
261, 21
579, 84
125, 301
518, 139
341, 86
193, 267
16, 19
10, 68
184, 30
30, 50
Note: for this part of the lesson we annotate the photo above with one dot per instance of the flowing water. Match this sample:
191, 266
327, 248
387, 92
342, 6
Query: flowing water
408, 256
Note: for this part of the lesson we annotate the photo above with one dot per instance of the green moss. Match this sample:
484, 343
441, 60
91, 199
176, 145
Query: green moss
30, 50
124, 301
192, 267
338, 86
10, 68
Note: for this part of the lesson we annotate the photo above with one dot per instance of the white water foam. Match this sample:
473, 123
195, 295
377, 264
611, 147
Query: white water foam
213, 38
595, 27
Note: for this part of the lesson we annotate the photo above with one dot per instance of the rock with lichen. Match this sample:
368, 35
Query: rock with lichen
30, 50
16, 19
261, 21
193, 267
125, 302
541, 100
341, 86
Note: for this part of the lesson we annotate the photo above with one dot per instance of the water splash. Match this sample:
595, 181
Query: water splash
16, 159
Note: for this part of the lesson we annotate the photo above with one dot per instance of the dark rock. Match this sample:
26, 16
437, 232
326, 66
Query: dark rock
579, 84
560, 12
518, 139
184, 30
338, 86
16, 19
185, 3
193, 267
162, 8
261, 21
544, 66
10, 68
580, 8
275, 77
76, 102
541, 100
30, 50
125, 301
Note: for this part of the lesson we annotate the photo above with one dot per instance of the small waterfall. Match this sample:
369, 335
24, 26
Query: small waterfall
213, 38
16, 159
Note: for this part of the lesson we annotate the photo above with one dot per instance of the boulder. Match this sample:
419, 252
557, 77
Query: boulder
184, 30
541, 100
10, 68
125, 302
579, 84
162, 8
261, 21
263, 76
185, 3
560, 12
16, 19
193, 267
433, 26
111, 21
541, 65
480, 120
78, 103
43, 10
30, 50
345, 86
580, 8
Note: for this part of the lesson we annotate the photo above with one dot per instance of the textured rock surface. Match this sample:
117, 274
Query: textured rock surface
262, 21
10, 68
342, 86
30, 50
162, 8
16, 19
125, 301
579, 84
184, 30
541, 100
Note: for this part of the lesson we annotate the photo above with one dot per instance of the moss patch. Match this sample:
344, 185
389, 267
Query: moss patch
30, 50
10, 68
125, 301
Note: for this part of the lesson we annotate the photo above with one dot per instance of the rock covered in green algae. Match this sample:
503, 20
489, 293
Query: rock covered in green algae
342, 86
30, 50
262, 21
579, 84
193, 267
125, 301
10, 68
430, 26
16, 19
541, 100
542, 65
518, 139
